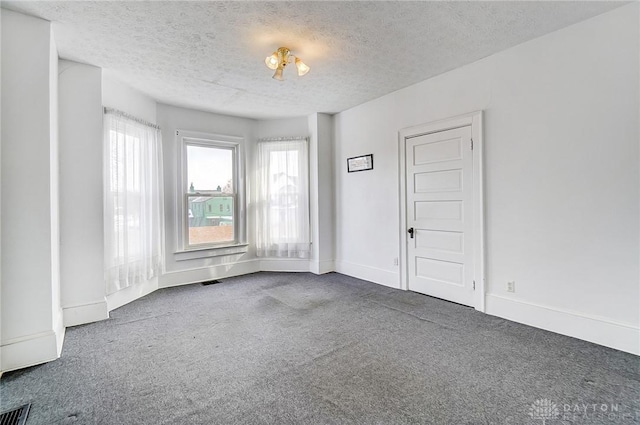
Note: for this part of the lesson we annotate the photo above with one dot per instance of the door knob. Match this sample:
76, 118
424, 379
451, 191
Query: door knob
411, 232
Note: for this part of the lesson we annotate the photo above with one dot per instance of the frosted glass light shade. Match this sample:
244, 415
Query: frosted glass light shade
303, 68
272, 61
278, 74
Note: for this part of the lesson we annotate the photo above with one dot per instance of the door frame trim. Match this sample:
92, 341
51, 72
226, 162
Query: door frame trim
473, 119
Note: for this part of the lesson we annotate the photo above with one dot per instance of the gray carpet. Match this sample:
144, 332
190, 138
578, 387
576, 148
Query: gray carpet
277, 348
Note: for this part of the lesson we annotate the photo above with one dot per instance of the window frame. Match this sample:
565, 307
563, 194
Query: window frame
233, 143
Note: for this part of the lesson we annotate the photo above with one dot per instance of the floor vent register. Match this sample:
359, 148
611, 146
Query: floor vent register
15, 416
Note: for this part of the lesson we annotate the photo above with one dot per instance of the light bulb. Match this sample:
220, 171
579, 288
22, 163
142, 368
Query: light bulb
272, 61
278, 74
303, 68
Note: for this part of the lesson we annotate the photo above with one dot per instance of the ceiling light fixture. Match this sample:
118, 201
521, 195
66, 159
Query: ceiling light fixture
280, 58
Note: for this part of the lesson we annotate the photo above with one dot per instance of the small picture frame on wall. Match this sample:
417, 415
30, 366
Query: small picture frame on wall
360, 163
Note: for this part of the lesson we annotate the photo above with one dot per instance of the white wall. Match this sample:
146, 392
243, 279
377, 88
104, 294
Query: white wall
561, 184
0, 200
286, 127
170, 119
81, 193
118, 95
32, 329
321, 192
54, 191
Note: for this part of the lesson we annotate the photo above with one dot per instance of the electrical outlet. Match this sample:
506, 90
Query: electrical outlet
395, 261
511, 286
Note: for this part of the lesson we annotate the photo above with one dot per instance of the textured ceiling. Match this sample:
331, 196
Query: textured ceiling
210, 55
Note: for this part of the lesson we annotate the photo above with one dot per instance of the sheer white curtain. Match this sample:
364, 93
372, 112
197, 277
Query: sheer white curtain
283, 198
133, 200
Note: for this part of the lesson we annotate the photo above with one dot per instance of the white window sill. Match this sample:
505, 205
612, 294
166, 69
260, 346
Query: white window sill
208, 252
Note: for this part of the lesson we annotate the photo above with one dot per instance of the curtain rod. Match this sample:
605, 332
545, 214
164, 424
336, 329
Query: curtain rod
282, 139
123, 114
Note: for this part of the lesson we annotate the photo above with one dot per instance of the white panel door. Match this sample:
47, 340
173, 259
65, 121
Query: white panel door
439, 176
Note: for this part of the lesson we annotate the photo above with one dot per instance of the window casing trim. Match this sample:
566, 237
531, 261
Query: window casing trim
185, 138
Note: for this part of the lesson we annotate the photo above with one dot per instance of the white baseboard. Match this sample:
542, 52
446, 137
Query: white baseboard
131, 293
322, 267
31, 350
621, 336
185, 277
85, 313
60, 331
371, 274
284, 265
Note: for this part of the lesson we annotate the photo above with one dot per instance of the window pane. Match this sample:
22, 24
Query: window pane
211, 219
209, 169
